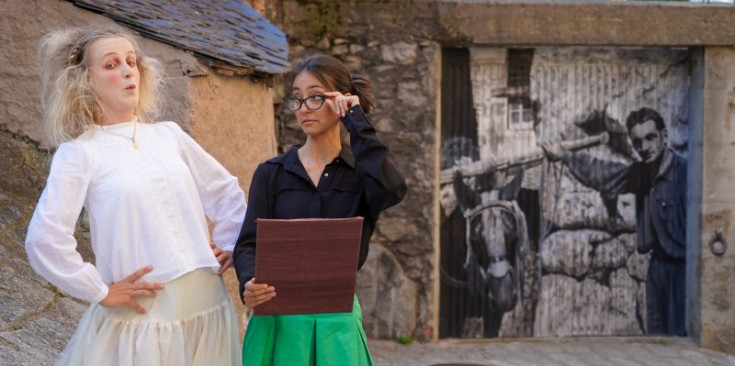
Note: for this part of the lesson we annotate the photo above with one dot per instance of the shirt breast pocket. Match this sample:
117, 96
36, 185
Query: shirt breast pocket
347, 186
293, 198
672, 213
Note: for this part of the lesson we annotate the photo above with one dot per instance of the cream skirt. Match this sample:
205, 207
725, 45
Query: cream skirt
190, 322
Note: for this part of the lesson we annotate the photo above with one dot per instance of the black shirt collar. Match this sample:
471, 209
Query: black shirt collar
290, 159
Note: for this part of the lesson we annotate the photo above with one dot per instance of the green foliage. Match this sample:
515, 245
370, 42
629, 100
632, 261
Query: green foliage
404, 339
323, 18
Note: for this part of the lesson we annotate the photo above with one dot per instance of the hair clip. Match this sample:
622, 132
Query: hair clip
72, 57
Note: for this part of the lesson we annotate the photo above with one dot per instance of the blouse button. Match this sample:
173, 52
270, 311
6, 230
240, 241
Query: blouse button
326, 174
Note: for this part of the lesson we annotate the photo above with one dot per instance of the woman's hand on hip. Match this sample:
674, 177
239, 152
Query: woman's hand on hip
341, 103
257, 293
123, 293
224, 257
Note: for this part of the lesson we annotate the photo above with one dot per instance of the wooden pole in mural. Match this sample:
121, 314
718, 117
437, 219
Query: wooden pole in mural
534, 156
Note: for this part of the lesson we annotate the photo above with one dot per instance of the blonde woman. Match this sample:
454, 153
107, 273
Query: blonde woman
156, 297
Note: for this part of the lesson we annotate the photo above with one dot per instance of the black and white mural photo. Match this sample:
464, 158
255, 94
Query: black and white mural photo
563, 191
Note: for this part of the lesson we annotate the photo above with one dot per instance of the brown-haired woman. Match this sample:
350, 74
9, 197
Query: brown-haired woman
323, 178
155, 297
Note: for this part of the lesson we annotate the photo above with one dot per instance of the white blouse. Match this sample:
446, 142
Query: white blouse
146, 206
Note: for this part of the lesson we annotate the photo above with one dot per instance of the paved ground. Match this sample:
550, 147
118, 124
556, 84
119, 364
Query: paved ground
590, 351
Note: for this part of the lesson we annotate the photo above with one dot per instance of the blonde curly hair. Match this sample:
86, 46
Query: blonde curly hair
68, 100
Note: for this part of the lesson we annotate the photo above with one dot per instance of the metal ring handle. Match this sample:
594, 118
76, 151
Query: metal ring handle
718, 250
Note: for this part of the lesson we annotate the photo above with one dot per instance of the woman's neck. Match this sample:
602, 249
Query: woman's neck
320, 150
110, 119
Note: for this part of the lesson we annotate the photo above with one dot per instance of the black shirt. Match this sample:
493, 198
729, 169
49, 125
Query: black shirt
360, 182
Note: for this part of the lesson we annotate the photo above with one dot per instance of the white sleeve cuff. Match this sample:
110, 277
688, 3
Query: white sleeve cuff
101, 295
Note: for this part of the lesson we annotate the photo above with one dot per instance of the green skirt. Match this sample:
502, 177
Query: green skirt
307, 340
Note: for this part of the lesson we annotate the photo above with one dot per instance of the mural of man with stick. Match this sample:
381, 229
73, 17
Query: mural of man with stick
659, 183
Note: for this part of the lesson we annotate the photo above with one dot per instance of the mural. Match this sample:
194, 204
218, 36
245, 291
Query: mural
564, 194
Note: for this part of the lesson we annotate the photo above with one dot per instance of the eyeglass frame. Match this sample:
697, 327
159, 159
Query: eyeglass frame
302, 101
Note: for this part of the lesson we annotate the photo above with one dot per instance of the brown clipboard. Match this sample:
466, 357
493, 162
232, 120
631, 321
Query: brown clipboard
312, 263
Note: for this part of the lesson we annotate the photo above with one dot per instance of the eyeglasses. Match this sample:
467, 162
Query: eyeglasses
313, 102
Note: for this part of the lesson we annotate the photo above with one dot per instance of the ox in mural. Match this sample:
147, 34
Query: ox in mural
495, 247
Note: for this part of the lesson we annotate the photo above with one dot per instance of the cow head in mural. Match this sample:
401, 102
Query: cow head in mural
497, 243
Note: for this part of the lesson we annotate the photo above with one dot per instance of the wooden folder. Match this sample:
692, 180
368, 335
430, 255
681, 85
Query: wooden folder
312, 263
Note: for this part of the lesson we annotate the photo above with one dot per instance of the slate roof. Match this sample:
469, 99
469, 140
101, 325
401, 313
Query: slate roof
229, 31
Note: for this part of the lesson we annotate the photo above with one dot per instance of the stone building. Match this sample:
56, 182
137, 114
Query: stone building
463, 84
485, 82
220, 63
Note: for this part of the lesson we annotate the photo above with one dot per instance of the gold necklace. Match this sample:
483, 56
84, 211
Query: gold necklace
135, 142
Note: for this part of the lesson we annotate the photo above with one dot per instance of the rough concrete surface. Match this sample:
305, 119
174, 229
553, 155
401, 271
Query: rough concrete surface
592, 351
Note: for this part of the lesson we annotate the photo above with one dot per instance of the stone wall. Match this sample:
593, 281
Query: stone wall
392, 47
593, 280
716, 316
398, 44
36, 320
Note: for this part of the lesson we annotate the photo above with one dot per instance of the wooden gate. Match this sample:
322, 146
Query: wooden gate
579, 237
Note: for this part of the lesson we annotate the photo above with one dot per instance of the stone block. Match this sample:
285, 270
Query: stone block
568, 307
354, 63
21, 296
580, 207
399, 229
637, 265
23, 164
401, 53
410, 94
570, 252
323, 44
621, 310
388, 298
609, 255
340, 49
356, 48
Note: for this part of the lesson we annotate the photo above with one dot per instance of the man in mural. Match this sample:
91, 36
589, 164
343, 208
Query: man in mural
659, 182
